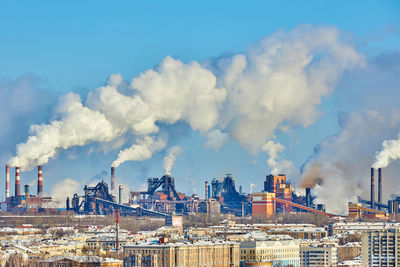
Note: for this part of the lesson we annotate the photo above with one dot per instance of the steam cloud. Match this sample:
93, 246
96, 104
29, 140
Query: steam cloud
277, 83
339, 171
169, 159
275, 163
390, 151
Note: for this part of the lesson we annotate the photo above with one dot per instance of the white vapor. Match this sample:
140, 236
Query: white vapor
64, 188
276, 164
277, 83
390, 151
169, 159
215, 139
339, 169
75, 125
143, 149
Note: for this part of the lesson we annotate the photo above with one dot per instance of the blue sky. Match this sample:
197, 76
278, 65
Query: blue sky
76, 45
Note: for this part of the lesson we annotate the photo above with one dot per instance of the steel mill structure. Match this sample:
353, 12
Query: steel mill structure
220, 196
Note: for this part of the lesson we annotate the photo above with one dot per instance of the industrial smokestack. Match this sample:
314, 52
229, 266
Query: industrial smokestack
372, 189
206, 190
120, 193
380, 186
308, 197
17, 181
40, 181
7, 181
112, 178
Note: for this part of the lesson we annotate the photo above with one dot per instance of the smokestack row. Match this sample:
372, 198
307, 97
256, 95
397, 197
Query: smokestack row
373, 187
7, 181
40, 181
17, 181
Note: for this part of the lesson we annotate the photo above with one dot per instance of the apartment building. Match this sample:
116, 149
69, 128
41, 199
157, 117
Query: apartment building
184, 253
317, 255
381, 247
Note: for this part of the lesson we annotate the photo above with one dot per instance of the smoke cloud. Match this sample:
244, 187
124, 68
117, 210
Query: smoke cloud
76, 126
339, 171
169, 159
279, 82
390, 151
64, 188
143, 149
216, 138
276, 84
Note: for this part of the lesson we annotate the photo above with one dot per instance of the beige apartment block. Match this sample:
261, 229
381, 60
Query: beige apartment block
185, 254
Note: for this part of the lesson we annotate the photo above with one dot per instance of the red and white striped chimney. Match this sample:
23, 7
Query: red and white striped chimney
7, 180
40, 181
17, 181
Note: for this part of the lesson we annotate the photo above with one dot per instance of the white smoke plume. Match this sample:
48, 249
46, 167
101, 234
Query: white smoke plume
76, 125
143, 149
215, 139
280, 81
277, 83
65, 188
169, 159
390, 151
339, 170
276, 164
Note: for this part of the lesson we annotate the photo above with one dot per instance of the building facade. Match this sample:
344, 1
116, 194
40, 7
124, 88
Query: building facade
319, 255
185, 254
380, 247
273, 251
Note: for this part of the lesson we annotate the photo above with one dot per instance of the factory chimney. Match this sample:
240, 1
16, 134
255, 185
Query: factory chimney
206, 190
17, 181
7, 181
112, 179
120, 193
380, 186
40, 181
372, 189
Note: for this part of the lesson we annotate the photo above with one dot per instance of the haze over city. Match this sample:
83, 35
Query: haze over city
198, 90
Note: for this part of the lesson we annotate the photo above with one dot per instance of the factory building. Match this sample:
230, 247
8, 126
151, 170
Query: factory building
278, 185
26, 202
263, 205
183, 253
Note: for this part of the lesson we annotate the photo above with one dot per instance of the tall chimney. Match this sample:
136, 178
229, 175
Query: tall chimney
7, 181
380, 186
40, 181
112, 179
372, 189
206, 190
17, 181
120, 193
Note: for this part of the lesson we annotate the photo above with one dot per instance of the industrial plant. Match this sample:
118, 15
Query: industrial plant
161, 199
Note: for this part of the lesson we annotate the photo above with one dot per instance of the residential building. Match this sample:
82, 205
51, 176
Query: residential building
317, 255
265, 250
380, 247
216, 253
